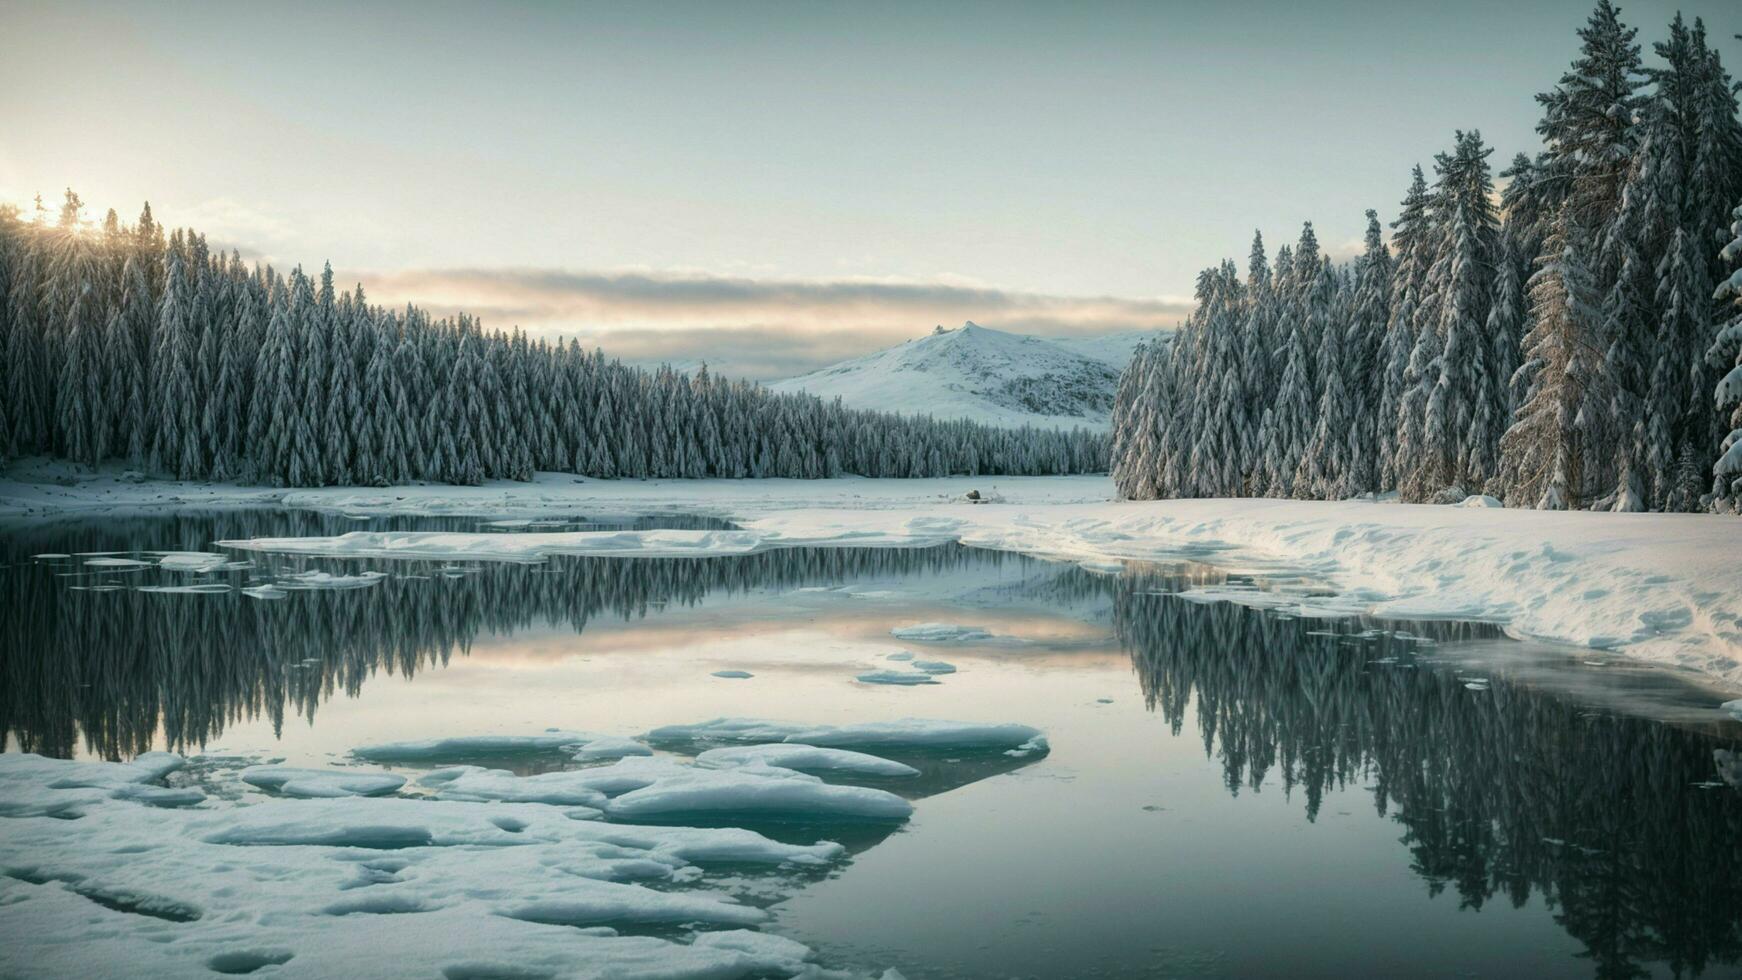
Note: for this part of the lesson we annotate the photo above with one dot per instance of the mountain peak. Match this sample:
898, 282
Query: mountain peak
981, 374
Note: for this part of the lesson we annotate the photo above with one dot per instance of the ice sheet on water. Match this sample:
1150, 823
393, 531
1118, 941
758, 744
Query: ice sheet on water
940, 633
116, 563
906, 733
209, 588
736, 675
803, 758
264, 592
32, 785
314, 580
389, 886
934, 666
323, 783
609, 747
903, 655
897, 678
192, 561
461, 748
758, 792
477, 784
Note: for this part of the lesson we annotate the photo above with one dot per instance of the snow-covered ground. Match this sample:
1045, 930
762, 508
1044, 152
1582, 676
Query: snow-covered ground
1661, 587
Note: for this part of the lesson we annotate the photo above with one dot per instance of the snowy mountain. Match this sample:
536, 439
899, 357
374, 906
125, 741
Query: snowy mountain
985, 375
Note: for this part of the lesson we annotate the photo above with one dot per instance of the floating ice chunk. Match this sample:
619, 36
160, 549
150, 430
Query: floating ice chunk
903, 655
1734, 707
920, 733
477, 784
803, 758
907, 733
327, 580
940, 633
264, 592
934, 666
322, 783
116, 563
610, 747
764, 947
192, 561
733, 674
471, 746
899, 678
760, 792
170, 796
33, 785
510, 522
725, 730
50, 556
210, 588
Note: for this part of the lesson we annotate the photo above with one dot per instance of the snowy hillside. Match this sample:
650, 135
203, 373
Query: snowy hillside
982, 374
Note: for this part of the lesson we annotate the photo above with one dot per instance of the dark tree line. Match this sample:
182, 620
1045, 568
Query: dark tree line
1557, 344
121, 342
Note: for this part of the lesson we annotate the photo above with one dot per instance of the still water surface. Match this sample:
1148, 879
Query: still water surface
1230, 792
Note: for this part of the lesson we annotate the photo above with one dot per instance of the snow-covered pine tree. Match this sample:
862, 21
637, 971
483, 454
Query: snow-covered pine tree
175, 445
1410, 239
1366, 356
74, 284
1543, 450
341, 408
1725, 355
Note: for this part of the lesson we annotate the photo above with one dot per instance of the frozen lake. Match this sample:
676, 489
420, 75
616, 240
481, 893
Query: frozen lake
1229, 790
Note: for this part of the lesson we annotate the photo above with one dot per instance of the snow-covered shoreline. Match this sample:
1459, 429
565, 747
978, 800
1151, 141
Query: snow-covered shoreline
1663, 588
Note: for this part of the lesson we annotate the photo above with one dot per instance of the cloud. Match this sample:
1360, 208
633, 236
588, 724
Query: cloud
752, 327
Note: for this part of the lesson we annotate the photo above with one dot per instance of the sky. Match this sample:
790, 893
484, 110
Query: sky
772, 186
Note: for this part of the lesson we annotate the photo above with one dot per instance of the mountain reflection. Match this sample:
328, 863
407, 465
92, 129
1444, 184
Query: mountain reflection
1621, 824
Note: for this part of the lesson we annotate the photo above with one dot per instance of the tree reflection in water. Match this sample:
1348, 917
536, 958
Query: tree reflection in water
1622, 824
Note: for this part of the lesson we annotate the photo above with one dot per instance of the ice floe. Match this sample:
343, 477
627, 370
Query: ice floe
899, 678
112, 872
803, 758
463, 747
736, 675
907, 733
322, 783
934, 666
314, 580
940, 633
759, 792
